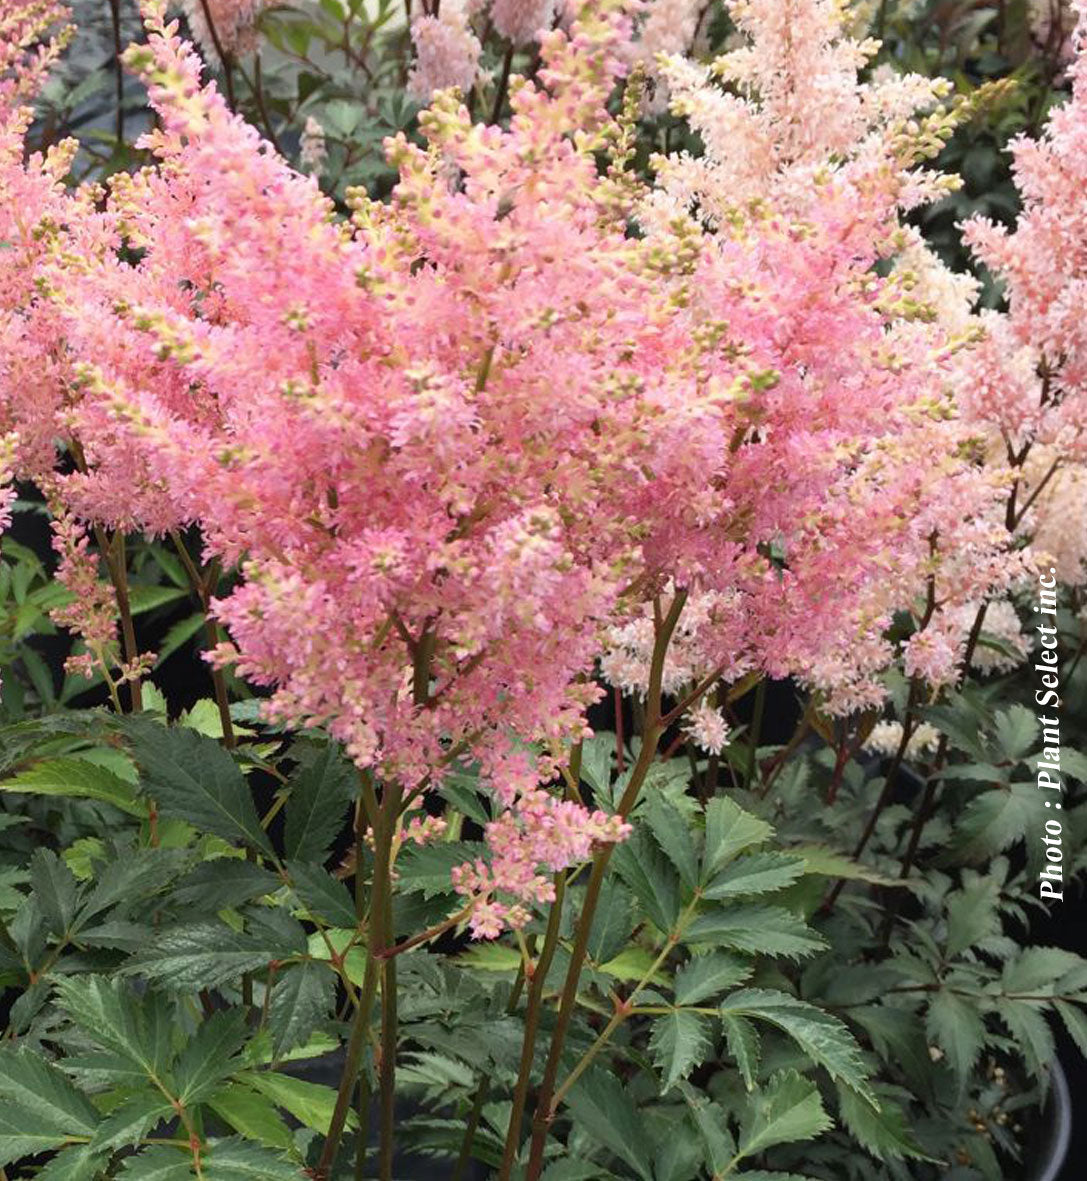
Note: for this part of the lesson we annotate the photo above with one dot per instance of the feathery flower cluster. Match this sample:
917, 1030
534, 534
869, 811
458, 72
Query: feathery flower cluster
1030, 376
463, 444
886, 738
230, 22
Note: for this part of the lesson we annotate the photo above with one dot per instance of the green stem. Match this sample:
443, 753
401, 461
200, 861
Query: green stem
756, 732
532, 1024
360, 1026
651, 735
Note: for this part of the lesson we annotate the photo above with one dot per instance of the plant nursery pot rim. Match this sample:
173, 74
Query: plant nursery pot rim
1057, 1128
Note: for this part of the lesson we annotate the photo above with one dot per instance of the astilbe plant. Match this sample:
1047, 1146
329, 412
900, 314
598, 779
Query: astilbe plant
531, 409
450, 443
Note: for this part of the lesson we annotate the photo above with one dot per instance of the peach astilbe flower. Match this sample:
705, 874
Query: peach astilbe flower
452, 444
1028, 395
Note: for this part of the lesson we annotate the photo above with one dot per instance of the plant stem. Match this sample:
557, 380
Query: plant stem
380, 890
113, 551
756, 731
532, 1025
651, 735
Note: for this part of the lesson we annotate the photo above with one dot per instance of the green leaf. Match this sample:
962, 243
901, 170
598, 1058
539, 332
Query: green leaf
729, 830
1027, 1024
707, 976
603, 1107
427, 868
679, 1041
991, 822
712, 1124
787, 1109
157, 1164
178, 635
77, 779
742, 1039
883, 1132
612, 922
209, 954
650, 877
764, 930
824, 862
324, 896
147, 598
634, 963
78, 1163
193, 778
758, 873
1015, 731
1075, 1021
1039, 969
957, 1028
210, 1055
28, 1080
252, 1115
55, 889
221, 883
310, 1103
133, 874
22, 1134
132, 1120
673, 835
821, 1036
235, 1160
301, 999
972, 915
321, 789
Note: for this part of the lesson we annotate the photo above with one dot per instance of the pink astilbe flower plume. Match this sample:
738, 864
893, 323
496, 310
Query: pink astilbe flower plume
457, 446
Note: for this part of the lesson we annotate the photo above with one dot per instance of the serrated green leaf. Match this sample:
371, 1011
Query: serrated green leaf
634, 963
210, 1055
235, 1160
787, 1109
1039, 969
428, 868
194, 778
991, 822
22, 1135
604, 1109
673, 837
821, 1036
301, 999
706, 976
759, 873
252, 1115
612, 922
78, 1163
321, 789
28, 1080
957, 1028
678, 1041
491, 957
972, 915
221, 883
157, 1164
742, 1039
310, 1103
210, 954
323, 896
883, 1132
1026, 1022
1015, 731
729, 830
824, 862
650, 878
132, 1120
55, 889
1075, 1021
765, 930
77, 779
